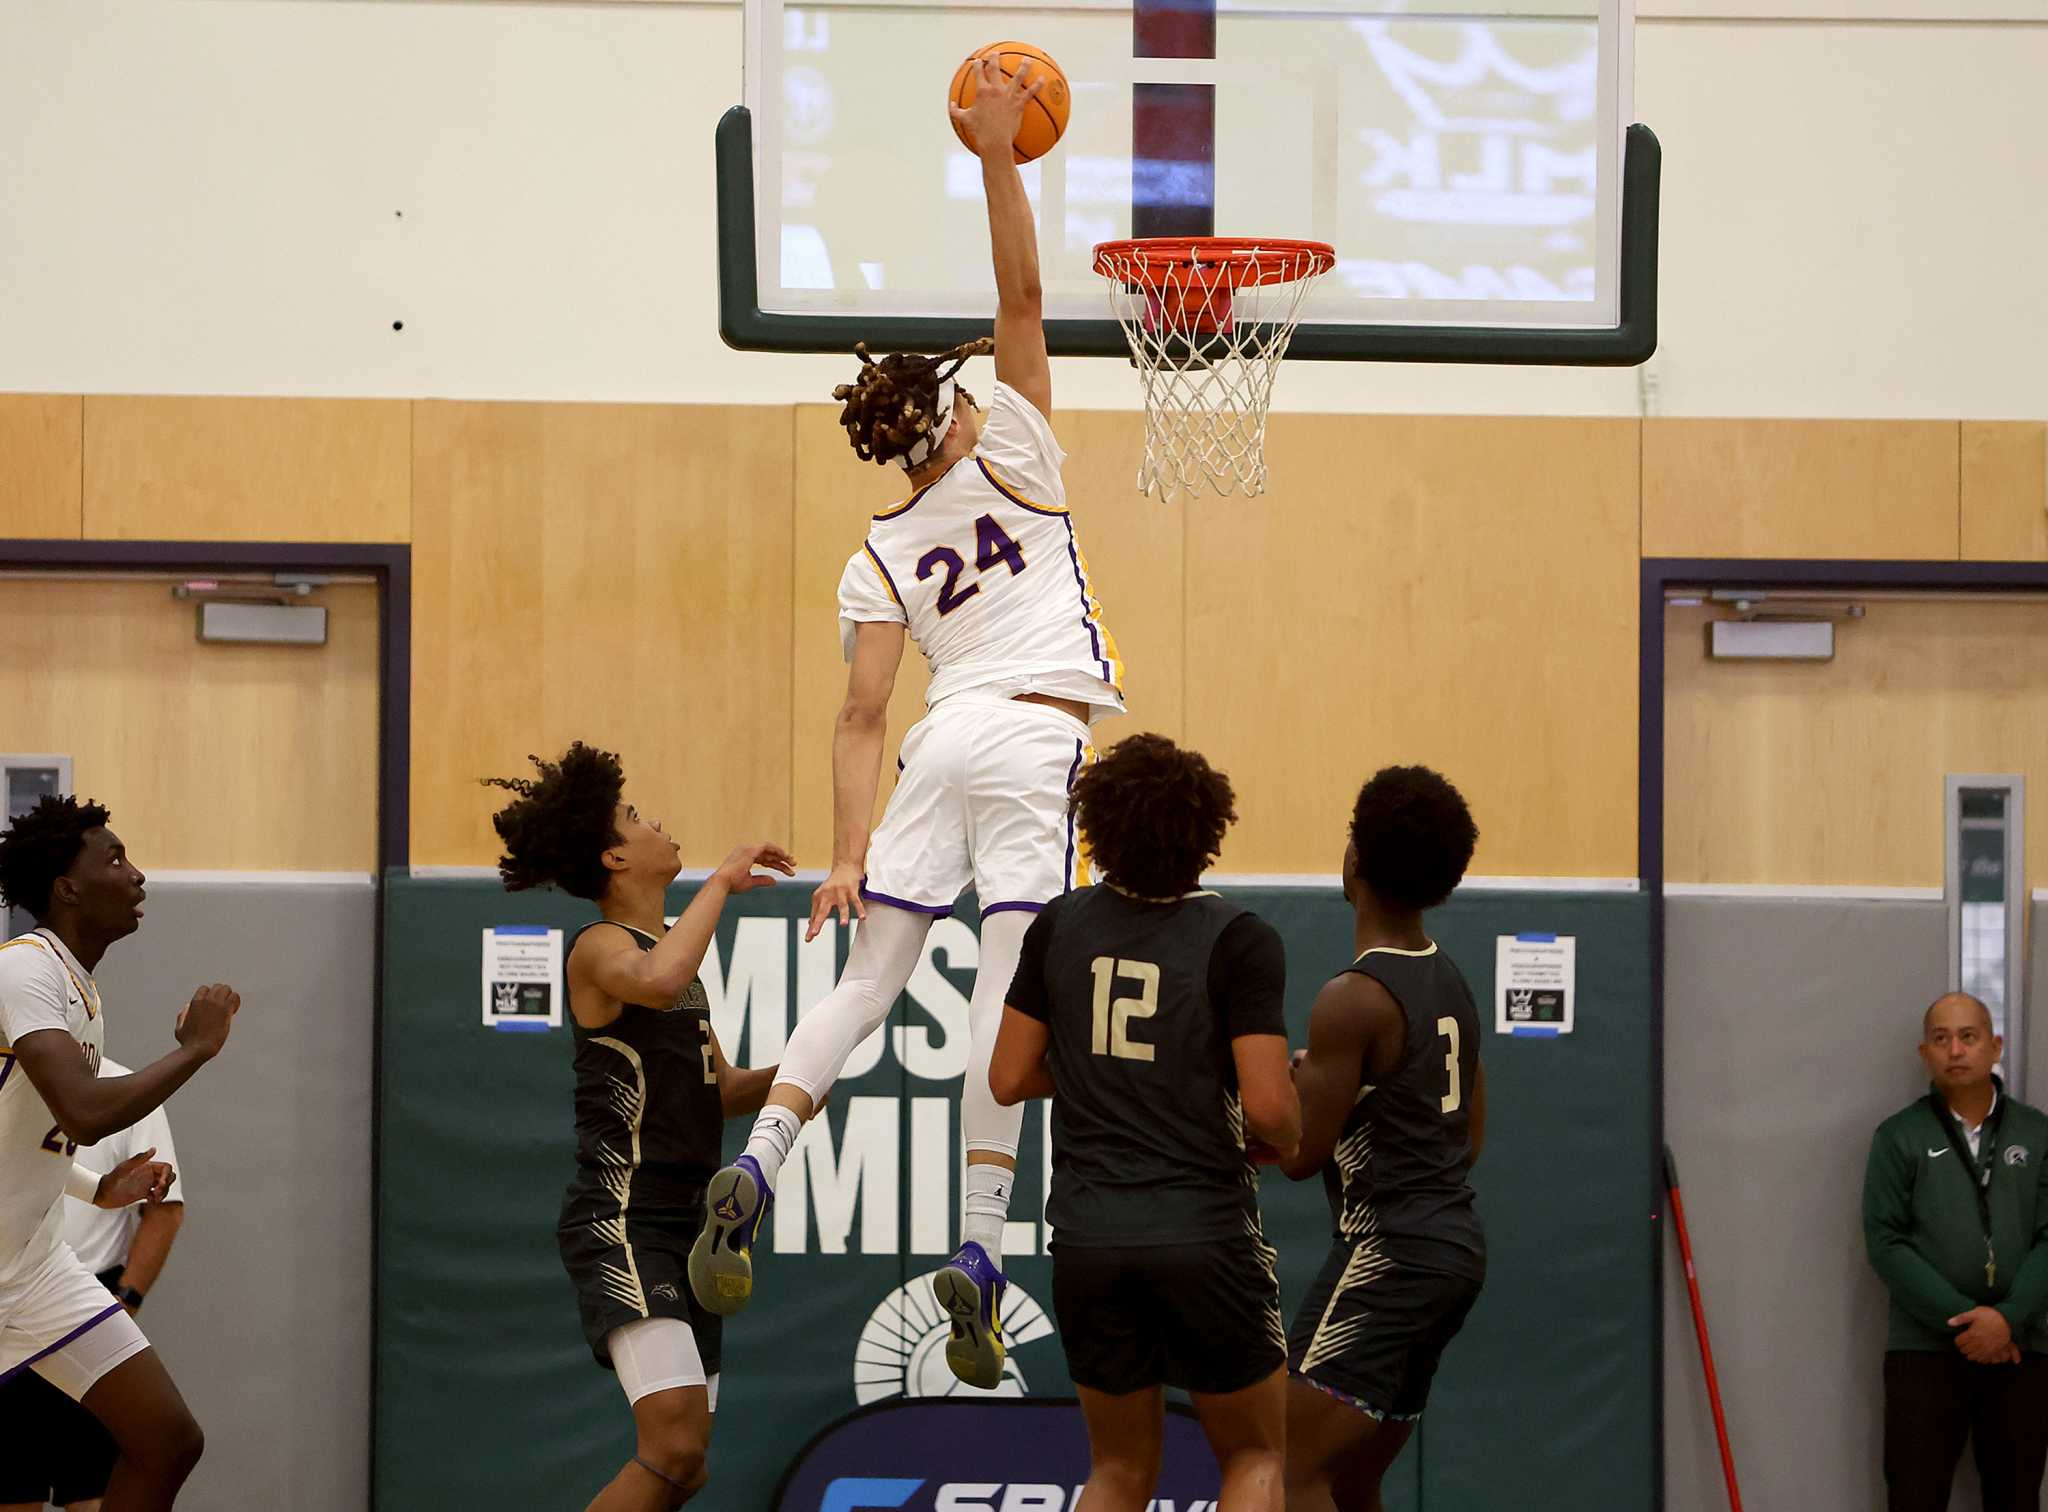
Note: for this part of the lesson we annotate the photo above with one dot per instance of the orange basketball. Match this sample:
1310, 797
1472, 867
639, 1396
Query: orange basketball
1045, 118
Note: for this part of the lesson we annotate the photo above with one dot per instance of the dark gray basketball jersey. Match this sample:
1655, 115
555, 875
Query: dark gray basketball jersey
1399, 1170
648, 1114
1141, 1001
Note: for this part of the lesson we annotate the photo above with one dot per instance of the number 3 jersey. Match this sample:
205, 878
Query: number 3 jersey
1141, 1001
42, 986
984, 568
648, 1119
1398, 1170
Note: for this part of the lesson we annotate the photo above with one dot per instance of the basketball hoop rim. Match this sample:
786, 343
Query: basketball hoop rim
1236, 262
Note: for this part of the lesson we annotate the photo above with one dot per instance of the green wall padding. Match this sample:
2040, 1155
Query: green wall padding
487, 1397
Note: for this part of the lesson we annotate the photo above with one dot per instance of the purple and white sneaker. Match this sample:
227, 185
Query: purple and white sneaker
722, 1259
970, 1289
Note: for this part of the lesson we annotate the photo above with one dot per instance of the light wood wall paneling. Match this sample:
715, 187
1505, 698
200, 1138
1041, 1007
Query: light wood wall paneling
612, 573
40, 492
2005, 491
1801, 488
195, 469
1133, 547
1455, 591
211, 756
1830, 773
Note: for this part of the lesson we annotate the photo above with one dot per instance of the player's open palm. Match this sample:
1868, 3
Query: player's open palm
737, 872
991, 121
139, 1178
204, 1024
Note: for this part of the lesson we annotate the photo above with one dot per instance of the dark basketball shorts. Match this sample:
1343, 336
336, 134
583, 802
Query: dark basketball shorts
1204, 1317
56, 1450
1372, 1329
625, 1272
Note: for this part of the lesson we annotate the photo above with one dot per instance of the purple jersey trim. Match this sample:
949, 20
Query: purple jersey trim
887, 581
87, 1327
1087, 606
910, 503
996, 908
939, 910
1012, 495
1067, 879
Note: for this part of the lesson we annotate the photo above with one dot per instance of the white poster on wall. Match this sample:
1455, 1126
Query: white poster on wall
1535, 979
522, 978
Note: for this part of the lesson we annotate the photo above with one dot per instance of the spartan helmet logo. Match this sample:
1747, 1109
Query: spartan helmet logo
902, 1351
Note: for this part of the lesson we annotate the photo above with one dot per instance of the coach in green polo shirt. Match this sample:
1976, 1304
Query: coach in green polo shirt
1955, 1217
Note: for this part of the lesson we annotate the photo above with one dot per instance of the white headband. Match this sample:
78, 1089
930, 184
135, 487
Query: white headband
927, 446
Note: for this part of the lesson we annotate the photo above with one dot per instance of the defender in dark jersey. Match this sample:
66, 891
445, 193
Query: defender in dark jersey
1151, 1014
1393, 1111
652, 1089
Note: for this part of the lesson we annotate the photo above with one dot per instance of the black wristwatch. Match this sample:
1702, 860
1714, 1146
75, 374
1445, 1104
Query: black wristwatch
129, 1295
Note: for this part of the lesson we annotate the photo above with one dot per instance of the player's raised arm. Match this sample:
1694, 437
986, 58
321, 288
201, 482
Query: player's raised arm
991, 124
857, 766
88, 1107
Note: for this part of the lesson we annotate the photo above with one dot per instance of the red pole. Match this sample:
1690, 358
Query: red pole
1699, 1323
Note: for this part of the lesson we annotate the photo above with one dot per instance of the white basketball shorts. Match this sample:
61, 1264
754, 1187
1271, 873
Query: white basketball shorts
982, 798
61, 1323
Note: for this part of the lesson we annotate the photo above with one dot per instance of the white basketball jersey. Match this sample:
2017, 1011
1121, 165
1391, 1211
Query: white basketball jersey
42, 986
984, 568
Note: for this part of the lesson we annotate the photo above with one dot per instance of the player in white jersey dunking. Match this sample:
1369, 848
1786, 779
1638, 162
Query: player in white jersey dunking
62, 863
981, 566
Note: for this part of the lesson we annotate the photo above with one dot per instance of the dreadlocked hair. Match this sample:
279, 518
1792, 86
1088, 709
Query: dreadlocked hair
888, 407
557, 831
39, 847
1153, 815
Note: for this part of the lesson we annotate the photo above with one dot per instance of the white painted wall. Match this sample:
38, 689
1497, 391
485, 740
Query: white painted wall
204, 196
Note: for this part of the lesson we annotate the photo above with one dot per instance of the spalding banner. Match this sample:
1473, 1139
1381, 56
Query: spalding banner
969, 1456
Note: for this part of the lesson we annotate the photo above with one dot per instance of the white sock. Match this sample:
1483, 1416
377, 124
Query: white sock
775, 1130
987, 1207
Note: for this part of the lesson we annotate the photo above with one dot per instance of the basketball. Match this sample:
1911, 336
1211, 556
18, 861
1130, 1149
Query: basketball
1045, 118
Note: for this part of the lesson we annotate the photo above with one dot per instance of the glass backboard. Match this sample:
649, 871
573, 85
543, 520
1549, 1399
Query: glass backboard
1466, 161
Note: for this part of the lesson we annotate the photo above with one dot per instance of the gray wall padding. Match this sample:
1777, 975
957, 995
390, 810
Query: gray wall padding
1789, 1034
263, 1313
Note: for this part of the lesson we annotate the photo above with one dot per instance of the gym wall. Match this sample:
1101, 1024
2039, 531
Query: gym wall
527, 188
1789, 1032
709, 541
263, 1311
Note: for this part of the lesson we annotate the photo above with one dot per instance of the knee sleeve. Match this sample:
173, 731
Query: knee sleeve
886, 949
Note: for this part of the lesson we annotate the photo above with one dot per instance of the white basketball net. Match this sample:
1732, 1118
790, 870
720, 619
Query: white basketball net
1207, 334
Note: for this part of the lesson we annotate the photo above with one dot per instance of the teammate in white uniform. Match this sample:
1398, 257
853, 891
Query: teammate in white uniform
61, 863
981, 567
67, 1456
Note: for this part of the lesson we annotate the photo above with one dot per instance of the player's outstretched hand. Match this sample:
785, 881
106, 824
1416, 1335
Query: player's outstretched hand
136, 1179
737, 870
204, 1024
991, 122
839, 893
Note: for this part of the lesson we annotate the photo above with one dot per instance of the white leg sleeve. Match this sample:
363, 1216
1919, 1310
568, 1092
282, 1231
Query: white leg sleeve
983, 1124
886, 949
658, 1354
